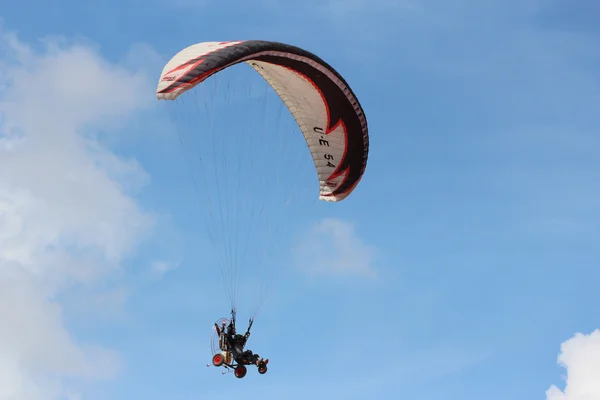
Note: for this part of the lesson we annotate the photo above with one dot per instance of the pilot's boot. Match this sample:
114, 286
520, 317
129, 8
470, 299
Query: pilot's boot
262, 362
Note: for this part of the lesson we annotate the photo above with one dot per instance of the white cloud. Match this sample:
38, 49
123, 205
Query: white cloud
333, 247
65, 213
160, 268
580, 356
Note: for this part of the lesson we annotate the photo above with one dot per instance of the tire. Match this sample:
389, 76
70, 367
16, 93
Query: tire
240, 371
218, 360
262, 369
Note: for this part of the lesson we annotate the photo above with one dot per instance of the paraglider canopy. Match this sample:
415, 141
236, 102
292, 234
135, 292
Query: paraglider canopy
322, 103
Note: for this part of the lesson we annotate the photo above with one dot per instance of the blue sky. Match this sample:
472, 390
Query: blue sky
470, 246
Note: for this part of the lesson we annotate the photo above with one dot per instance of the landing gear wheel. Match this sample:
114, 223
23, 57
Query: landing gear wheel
262, 369
218, 360
240, 371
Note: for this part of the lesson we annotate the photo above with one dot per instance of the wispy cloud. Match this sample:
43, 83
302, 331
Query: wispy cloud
334, 247
159, 268
580, 356
65, 213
